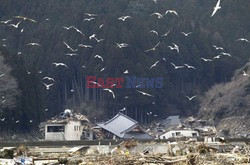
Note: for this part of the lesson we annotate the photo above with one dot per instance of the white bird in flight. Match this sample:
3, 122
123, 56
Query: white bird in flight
71, 54
2, 119
218, 48
226, 54
186, 34
67, 28
25, 18
176, 47
48, 85
60, 64
124, 18
157, 14
171, 12
102, 69
15, 25
217, 7
91, 15
48, 78
122, 45
166, 34
88, 19
144, 93
78, 31
245, 74
85, 46
206, 59
153, 48
125, 72
73, 50
109, 90
176, 66
189, 66
123, 109
191, 98
154, 64
2, 75
33, 44
242, 39
98, 56
5, 22
153, 31
217, 57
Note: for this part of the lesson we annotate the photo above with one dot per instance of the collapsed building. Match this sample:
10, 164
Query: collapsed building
67, 126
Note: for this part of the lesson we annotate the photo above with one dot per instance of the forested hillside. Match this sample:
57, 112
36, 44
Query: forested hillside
53, 25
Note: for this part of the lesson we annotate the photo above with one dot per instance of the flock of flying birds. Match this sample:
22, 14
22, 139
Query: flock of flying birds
90, 17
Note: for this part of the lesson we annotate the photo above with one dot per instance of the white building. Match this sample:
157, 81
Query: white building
66, 128
179, 133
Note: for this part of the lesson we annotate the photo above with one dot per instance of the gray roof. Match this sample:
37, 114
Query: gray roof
170, 121
120, 125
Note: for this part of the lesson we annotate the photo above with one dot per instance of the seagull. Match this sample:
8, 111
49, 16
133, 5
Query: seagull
125, 72
189, 66
2, 75
154, 48
49, 78
92, 36
154, 64
5, 22
166, 34
186, 34
83, 66
226, 54
155, 1
15, 25
91, 15
19, 53
177, 67
46, 110
48, 85
123, 109
71, 54
98, 56
110, 92
67, 28
28, 72
171, 12
123, 18
157, 14
33, 44
88, 19
26, 18
31, 121
217, 7
125, 97
2, 119
60, 64
206, 59
144, 93
190, 98
17, 121
218, 48
153, 31
245, 74
98, 40
21, 30
85, 46
122, 45
217, 57
78, 31
101, 26
95, 83
102, 69
243, 39
176, 47
73, 50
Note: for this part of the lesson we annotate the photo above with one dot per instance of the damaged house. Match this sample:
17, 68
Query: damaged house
66, 126
122, 127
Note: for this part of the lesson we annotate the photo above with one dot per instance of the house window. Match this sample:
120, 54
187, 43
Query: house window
194, 134
178, 133
55, 128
